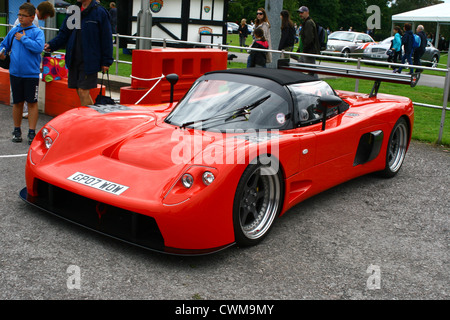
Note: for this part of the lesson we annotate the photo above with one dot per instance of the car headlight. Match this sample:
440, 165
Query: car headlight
187, 180
42, 143
44, 132
194, 180
208, 178
48, 142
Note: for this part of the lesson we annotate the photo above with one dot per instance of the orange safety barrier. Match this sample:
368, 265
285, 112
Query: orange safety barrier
5, 88
188, 64
59, 98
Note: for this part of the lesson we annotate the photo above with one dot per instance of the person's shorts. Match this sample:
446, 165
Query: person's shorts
77, 79
24, 89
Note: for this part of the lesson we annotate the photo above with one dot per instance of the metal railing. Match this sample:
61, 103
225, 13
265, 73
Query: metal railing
319, 57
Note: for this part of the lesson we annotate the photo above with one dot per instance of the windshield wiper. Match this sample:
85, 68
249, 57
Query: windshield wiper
244, 111
235, 113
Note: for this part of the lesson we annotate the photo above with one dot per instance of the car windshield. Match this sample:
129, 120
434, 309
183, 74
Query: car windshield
342, 35
223, 104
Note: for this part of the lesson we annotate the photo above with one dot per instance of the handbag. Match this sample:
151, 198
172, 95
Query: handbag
54, 67
101, 99
7, 61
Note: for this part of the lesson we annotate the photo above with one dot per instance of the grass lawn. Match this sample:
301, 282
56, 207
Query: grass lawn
426, 120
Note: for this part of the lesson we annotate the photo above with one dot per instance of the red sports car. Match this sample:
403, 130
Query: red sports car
219, 166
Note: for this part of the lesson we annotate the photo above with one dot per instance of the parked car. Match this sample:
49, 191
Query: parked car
347, 43
378, 52
239, 150
232, 27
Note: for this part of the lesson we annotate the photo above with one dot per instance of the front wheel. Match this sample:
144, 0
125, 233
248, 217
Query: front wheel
345, 53
257, 203
396, 149
435, 62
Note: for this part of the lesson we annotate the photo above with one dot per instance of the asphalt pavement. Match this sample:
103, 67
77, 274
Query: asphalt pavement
367, 239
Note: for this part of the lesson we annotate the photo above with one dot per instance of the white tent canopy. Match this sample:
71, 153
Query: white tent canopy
439, 13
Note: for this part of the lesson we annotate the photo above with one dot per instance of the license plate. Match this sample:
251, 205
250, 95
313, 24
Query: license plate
98, 183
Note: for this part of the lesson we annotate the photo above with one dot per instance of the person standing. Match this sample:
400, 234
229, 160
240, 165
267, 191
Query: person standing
44, 11
26, 43
243, 33
407, 42
259, 58
89, 49
308, 37
113, 16
397, 46
419, 52
287, 40
262, 21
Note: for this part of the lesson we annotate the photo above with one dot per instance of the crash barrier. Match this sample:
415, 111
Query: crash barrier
5, 93
54, 97
59, 98
319, 57
150, 66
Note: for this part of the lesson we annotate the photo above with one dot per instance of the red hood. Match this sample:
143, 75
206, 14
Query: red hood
161, 147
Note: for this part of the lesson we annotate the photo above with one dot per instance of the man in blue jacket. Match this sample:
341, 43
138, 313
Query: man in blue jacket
419, 52
26, 43
407, 42
88, 49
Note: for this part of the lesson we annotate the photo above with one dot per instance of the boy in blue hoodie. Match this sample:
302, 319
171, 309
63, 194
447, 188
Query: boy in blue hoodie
26, 43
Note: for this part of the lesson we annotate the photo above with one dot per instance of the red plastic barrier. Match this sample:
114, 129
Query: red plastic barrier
188, 64
59, 98
5, 88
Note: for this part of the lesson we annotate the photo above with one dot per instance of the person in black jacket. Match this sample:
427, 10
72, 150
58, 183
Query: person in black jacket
287, 32
89, 49
243, 33
418, 52
258, 58
407, 42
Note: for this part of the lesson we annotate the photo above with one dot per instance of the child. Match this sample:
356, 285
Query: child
26, 43
258, 58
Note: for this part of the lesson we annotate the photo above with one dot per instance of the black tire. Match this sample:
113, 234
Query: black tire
396, 149
257, 203
346, 53
434, 62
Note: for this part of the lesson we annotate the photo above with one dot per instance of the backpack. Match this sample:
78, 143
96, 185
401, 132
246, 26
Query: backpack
323, 37
416, 42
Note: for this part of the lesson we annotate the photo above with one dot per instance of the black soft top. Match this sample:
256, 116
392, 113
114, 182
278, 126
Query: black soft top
281, 76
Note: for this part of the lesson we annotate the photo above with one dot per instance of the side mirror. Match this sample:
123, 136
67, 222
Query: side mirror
173, 79
327, 102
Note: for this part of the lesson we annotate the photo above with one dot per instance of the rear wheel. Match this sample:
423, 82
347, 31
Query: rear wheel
257, 203
396, 149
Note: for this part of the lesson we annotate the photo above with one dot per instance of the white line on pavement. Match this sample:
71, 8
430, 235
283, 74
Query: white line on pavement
14, 156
